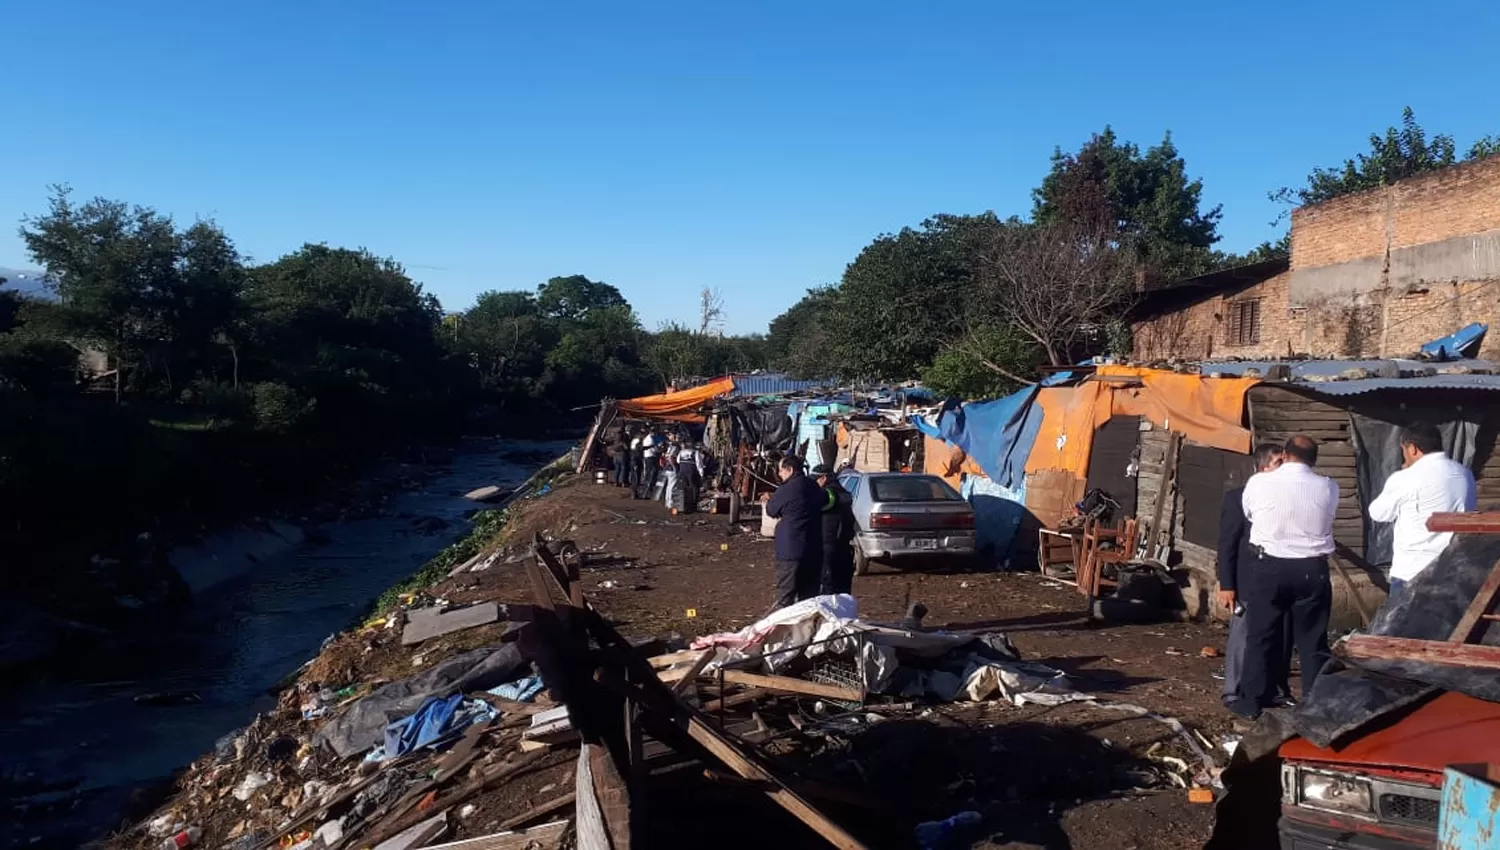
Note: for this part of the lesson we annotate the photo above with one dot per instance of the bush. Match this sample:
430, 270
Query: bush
277, 407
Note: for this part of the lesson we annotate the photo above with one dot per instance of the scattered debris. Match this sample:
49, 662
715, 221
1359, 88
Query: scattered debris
427, 623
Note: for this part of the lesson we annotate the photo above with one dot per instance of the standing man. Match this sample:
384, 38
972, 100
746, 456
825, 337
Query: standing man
1427, 483
637, 462
1290, 511
619, 454
1234, 553
838, 533
649, 465
798, 503
689, 476
669, 467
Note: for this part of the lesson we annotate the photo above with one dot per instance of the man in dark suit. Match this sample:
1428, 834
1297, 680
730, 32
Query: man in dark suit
1234, 550
798, 504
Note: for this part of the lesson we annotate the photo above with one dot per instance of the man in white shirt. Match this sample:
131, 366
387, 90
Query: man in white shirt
1429, 482
650, 467
1290, 511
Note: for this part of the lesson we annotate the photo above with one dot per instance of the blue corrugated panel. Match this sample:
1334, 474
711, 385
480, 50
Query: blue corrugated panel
774, 384
1431, 382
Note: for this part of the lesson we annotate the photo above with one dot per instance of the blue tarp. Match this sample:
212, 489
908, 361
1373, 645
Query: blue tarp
996, 434
997, 513
422, 728
1460, 344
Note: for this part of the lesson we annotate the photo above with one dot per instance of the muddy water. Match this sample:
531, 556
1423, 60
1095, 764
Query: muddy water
257, 616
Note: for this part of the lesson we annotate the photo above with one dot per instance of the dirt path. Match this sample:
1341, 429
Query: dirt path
1072, 776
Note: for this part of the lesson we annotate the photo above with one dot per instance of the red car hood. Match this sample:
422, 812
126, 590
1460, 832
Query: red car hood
1452, 729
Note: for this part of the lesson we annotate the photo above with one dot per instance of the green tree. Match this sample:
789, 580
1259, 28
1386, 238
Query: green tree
1396, 154
506, 339
984, 364
798, 341
572, 298
1154, 208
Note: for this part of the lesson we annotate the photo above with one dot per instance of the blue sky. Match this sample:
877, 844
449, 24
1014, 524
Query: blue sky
661, 146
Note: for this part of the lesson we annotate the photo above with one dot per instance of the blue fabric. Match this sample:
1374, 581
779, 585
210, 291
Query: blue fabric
521, 690
997, 514
1463, 343
996, 434
422, 728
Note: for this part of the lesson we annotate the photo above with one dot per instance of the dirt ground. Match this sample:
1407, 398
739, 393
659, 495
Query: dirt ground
1078, 775
1056, 777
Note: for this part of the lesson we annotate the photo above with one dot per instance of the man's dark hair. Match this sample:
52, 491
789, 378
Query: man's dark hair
1266, 452
1422, 436
791, 463
1302, 449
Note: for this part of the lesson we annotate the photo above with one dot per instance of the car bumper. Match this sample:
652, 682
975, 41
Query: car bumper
882, 546
1332, 833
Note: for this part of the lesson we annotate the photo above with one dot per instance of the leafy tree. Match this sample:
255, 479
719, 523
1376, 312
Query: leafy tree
1280, 249
572, 298
506, 339
986, 363
798, 341
1154, 208
894, 304
1396, 154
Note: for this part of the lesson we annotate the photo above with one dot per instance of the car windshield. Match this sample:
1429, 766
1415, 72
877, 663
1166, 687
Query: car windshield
911, 488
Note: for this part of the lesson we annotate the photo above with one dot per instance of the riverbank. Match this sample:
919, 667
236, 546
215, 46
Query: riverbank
85, 748
1080, 774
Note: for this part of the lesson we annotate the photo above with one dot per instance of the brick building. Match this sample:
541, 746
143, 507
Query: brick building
1373, 274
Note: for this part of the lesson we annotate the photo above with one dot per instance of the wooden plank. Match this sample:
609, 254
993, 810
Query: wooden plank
672, 659
794, 686
548, 836
539, 811
427, 623
1442, 652
751, 695
1466, 523
592, 834
1482, 604
783, 796
1365, 614
692, 673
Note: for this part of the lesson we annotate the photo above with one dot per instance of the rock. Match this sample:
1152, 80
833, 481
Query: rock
484, 494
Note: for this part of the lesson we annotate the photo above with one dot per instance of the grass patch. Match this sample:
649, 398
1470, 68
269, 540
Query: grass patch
489, 527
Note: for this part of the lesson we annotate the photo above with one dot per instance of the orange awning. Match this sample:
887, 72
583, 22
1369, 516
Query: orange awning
681, 406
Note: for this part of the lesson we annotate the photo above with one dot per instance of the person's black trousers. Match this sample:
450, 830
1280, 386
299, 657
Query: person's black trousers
635, 470
619, 471
648, 479
798, 580
1275, 587
688, 480
838, 569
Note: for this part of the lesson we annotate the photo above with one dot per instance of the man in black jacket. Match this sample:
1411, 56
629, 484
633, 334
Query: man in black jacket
798, 504
838, 533
1234, 552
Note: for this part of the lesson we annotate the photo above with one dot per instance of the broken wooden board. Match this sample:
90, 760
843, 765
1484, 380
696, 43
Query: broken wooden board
548, 836
592, 834
787, 684
418, 836
426, 623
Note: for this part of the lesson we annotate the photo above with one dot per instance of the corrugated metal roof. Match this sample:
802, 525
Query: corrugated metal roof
1428, 382
773, 383
1334, 368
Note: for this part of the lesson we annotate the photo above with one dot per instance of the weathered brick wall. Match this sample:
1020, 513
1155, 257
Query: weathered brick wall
1457, 201
1374, 324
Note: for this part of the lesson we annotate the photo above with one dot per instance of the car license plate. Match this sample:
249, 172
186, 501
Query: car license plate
924, 543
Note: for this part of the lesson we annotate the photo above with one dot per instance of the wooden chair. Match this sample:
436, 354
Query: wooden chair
1094, 555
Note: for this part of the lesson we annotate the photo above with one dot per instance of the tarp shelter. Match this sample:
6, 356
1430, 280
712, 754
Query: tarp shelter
681, 406
997, 434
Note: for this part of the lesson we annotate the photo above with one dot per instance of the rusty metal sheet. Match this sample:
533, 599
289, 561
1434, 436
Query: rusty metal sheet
1470, 817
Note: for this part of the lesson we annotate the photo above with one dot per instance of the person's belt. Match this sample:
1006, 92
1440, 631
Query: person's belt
1262, 554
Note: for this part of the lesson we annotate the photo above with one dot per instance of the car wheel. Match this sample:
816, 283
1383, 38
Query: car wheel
861, 562
734, 508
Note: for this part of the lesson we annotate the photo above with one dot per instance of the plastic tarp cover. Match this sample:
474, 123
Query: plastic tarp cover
996, 434
681, 406
767, 427
947, 461
1345, 700
891, 661
362, 726
1377, 440
1206, 410
998, 512
1070, 416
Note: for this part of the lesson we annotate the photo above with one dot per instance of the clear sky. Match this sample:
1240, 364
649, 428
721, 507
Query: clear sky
666, 146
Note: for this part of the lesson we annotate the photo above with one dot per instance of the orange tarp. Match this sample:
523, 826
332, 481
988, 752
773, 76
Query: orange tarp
681, 406
1207, 411
947, 461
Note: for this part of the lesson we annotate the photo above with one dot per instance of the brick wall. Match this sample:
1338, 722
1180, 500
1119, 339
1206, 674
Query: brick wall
1457, 201
1378, 324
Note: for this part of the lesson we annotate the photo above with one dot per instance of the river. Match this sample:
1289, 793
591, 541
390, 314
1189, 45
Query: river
256, 617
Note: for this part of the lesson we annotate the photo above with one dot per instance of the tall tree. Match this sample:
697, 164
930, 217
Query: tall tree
1396, 154
798, 341
572, 298
1155, 208
710, 311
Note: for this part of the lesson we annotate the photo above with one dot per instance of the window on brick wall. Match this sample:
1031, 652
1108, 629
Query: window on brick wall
1244, 322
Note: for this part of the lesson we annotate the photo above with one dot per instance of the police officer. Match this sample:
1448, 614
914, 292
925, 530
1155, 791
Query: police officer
650, 465
838, 533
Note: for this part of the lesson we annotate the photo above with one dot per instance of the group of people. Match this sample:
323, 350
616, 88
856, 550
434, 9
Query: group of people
814, 533
1275, 538
641, 458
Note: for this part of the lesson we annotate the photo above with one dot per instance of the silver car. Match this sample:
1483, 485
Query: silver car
906, 516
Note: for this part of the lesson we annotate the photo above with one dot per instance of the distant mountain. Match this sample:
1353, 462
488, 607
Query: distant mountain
25, 281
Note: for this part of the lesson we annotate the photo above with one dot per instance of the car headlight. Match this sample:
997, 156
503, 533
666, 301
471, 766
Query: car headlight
1339, 793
